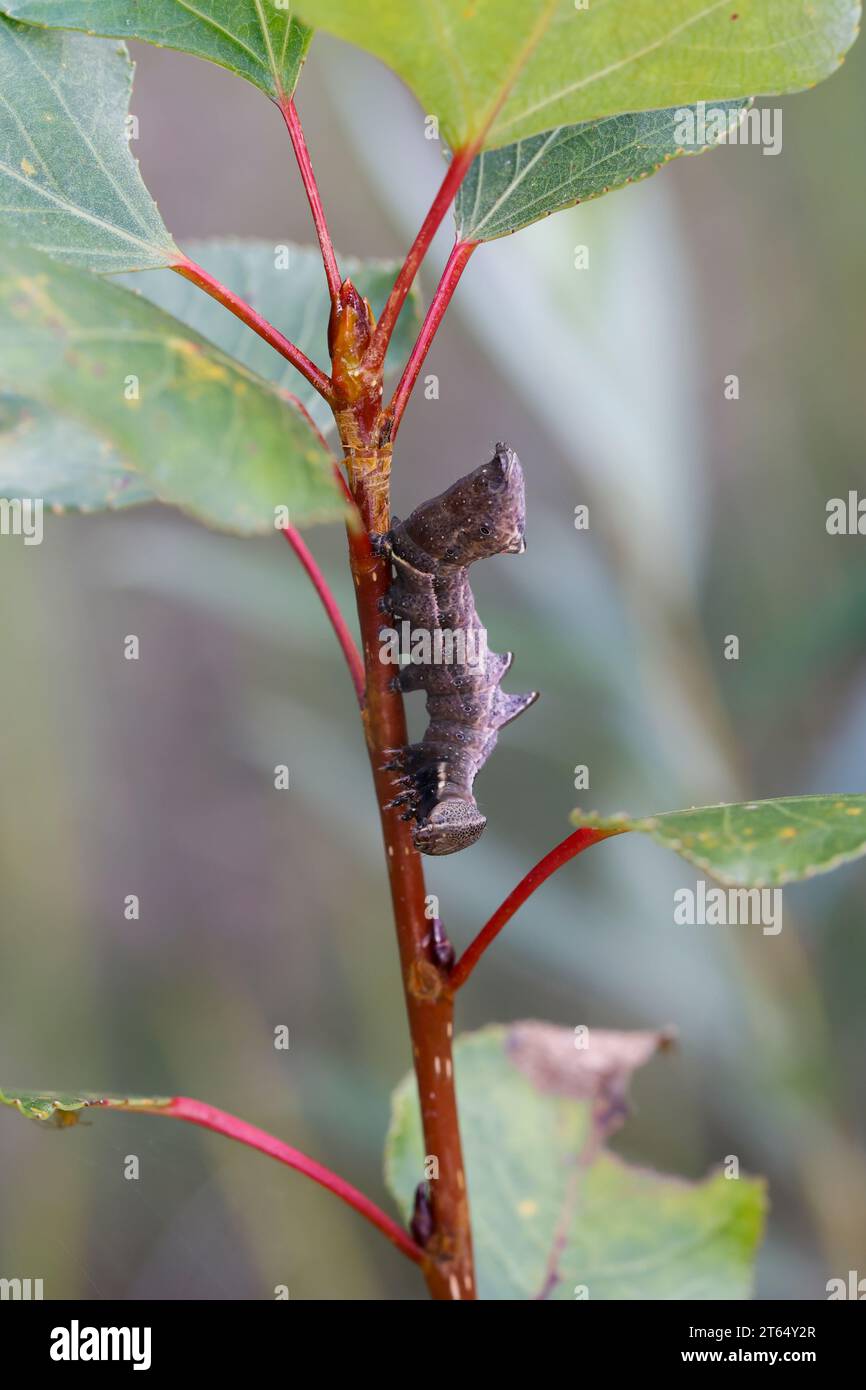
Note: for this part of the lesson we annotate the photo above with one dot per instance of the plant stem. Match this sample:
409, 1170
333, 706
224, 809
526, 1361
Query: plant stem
454, 176
197, 1113
429, 1006
454, 268
302, 154
561, 854
254, 320
331, 607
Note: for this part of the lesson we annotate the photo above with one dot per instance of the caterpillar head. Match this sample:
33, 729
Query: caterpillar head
482, 514
453, 824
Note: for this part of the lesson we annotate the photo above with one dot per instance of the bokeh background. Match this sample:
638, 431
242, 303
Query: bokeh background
262, 908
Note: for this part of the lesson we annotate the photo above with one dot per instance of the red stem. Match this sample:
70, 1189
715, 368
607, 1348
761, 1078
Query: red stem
302, 410
454, 176
254, 320
197, 1113
454, 268
575, 843
357, 537
302, 154
338, 622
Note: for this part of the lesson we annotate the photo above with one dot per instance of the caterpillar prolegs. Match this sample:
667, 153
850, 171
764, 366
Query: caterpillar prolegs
481, 515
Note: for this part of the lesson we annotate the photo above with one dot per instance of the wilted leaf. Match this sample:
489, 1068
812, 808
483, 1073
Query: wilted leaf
758, 843
556, 1216
68, 183
257, 39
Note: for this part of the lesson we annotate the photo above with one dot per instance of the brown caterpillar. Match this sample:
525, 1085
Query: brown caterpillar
482, 514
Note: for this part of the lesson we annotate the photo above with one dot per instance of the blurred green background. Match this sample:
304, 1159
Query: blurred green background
261, 908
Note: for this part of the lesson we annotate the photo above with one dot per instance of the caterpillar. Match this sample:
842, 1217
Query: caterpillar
480, 515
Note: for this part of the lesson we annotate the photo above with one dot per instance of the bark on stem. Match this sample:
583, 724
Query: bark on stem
428, 1000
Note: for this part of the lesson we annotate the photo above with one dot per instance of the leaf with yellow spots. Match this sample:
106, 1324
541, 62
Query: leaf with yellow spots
43, 454
61, 1109
163, 411
291, 292
758, 844
553, 1210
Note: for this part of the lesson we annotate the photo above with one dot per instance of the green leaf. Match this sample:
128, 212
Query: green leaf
506, 69
257, 39
758, 844
62, 1109
553, 1212
57, 459
52, 457
294, 298
509, 188
68, 183
203, 432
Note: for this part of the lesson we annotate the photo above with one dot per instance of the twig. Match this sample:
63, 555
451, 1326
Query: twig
197, 1113
561, 854
454, 176
302, 154
254, 320
454, 268
332, 608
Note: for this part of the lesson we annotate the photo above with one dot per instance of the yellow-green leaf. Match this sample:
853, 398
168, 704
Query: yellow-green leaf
507, 69
555, 1215
757, 844
63, 1109
202, 431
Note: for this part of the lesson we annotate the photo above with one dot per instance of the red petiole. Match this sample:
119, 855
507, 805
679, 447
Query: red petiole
454, 176
454, 268
198, 1113
254, 320
574, 844
302, 154
332, 608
